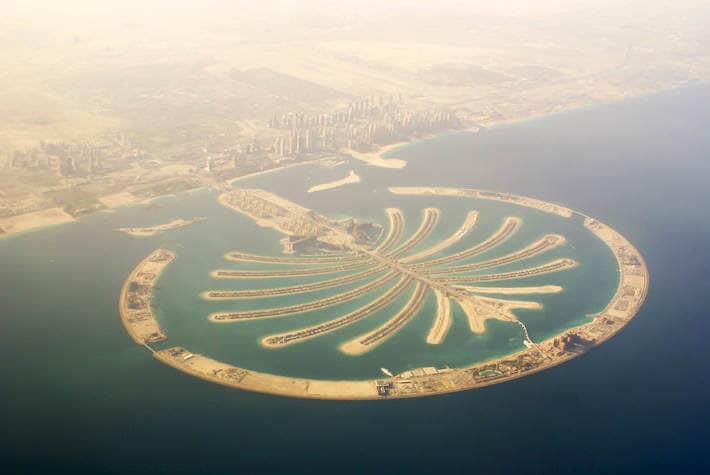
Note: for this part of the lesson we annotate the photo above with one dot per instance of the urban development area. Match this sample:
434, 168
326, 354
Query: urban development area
104, 115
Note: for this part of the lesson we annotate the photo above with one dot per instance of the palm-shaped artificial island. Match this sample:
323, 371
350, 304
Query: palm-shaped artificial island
346, 252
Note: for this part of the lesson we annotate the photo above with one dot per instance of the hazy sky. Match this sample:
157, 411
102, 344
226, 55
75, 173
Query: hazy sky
103, 10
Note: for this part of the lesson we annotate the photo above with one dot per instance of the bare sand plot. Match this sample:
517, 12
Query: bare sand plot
32, 221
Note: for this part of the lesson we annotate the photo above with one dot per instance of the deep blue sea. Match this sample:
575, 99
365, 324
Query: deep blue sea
78, 396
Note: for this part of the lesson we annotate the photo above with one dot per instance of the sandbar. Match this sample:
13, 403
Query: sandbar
160, 228
376, 159
350, 179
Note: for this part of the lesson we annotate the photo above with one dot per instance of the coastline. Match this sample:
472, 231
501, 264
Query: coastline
29, 222
117, 200
231, 181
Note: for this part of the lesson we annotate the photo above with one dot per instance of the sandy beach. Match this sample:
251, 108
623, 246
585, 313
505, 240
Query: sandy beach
273, 170
376, 159
350, 179
33, 221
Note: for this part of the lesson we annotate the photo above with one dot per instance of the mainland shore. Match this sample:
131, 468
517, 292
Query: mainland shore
32, 221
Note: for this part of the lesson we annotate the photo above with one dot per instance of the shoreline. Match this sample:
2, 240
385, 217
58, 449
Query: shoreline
118, 200
231, 181
37, 220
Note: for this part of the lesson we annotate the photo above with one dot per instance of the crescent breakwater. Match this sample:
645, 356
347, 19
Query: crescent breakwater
623, 306
134, 303
484, 195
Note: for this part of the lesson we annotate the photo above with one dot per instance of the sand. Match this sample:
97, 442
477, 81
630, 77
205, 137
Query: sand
542, 289
122, 199
442, 322
350, 179
485, 195
376, 159
467, 225
160, 228
33, 221
275, 169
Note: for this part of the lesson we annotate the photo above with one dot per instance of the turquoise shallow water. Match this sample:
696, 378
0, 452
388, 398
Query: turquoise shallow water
182, 313
79, 396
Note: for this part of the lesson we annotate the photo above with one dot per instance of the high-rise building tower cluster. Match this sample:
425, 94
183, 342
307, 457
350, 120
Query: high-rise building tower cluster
362, 125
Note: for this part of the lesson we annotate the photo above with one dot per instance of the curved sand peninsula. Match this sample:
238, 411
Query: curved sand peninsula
554, 266
160, 228
442, 322
545, 244
314, 331
484, 195
348, 180
541, 289
431, 217
246, 257
134, 303
272, 274
376, 159
293, 289
396, 226
504, 232
630, 294
372, 339
465, 228
304, 307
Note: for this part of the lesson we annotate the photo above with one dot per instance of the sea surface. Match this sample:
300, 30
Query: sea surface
78, 396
